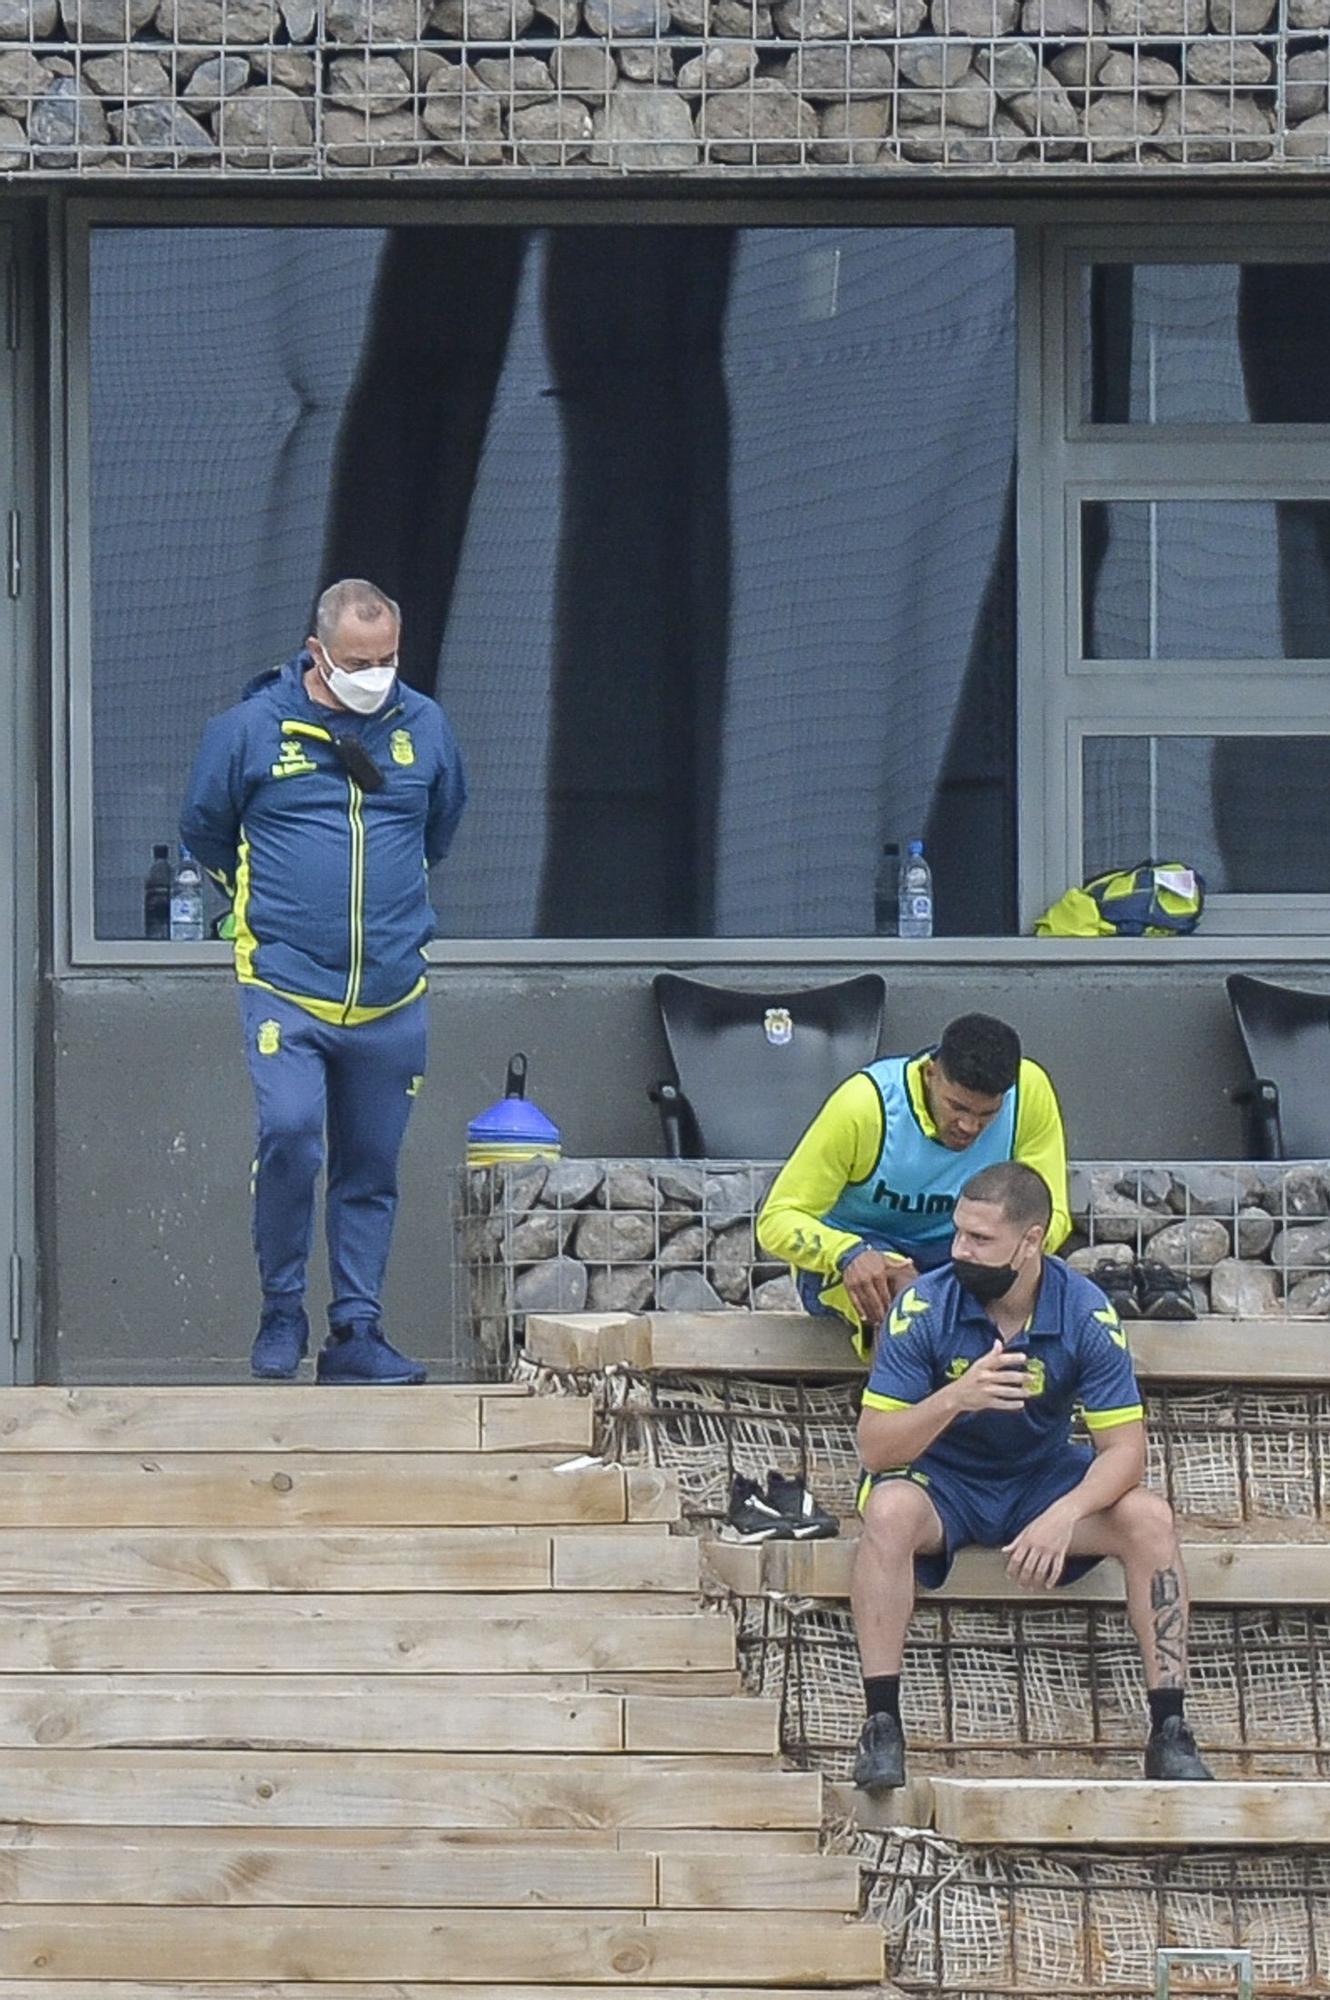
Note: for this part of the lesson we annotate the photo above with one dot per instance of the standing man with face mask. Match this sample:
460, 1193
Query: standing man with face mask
318, 802
965, 1438
865, 1201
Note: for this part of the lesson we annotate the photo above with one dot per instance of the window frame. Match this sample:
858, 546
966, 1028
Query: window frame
1081, 461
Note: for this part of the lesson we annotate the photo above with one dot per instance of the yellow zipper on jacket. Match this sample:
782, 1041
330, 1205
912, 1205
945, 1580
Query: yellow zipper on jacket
355, 795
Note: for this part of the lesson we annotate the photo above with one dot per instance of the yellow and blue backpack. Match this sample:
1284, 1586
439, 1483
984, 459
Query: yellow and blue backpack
1156, 899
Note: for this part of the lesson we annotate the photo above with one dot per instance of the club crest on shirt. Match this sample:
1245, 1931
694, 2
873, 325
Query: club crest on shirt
400, 747
269, 1038
778, 1026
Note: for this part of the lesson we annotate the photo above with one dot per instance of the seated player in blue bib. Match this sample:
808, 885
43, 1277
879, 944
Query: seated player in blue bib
965, 1437
865, 1201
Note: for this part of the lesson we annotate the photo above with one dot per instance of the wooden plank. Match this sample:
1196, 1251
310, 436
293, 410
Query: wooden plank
738, 1725
283, 1559
1218, 1572
276, 1712
284, 1418
591, 1341
192, 1989
652, 1495
614, 1561
409, 1869
649, 1947
1132, 1813
368, 1788
737, 1839
725, 1881
367, 1489
328, 1635
537, 1423
1212, 1349
648, 1680
754, 1343
1224, 1351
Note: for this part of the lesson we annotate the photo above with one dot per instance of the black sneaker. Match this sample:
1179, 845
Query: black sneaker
1171, 1753
752, 1517
792, 1498
1118, 1284
879, 1759
1162, 1293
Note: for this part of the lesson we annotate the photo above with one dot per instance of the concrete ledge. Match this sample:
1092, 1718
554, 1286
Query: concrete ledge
1106, 1812
1247, 1573
1211, 1350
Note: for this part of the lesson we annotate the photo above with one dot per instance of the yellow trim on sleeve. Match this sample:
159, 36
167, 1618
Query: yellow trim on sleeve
1107, 1420
841, 1146
873, 1401
1040, 1142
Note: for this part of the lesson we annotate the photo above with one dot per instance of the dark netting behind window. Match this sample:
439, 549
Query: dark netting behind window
704, 538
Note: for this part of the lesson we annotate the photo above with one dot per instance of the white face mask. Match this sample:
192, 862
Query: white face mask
364, 692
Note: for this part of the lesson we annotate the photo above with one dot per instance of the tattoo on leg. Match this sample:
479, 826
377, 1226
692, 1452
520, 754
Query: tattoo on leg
1169, 1626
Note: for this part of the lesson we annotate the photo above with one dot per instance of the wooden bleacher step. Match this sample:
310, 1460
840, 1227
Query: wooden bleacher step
1071, 1812
382, 1697
1248, 1573
1211, 1349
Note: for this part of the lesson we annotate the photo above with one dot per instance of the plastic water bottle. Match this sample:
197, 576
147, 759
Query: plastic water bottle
186, 900
916, 893
886, 891
157, 895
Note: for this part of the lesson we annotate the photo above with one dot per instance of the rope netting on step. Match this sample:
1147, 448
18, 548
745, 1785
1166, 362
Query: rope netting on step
1223, 1456
1025, 1688
1009, 1924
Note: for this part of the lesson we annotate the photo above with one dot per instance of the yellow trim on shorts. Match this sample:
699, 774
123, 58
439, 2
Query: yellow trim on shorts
1107, 1420
873, 1401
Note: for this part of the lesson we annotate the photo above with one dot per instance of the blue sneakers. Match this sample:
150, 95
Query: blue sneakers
359, 1353
281, 1343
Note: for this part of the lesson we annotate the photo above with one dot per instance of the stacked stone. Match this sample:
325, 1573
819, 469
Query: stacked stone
1250, 1240
678, 1236
659, 85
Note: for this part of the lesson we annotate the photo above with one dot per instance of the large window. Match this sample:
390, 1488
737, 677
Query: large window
704, 538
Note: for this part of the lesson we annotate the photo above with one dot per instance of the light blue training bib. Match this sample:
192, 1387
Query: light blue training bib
909, 1196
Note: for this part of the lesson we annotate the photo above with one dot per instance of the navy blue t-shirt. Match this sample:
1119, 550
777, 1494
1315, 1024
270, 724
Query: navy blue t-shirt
1077, 1352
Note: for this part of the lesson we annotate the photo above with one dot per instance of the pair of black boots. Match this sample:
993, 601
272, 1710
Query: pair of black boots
782, 1511
1144, 1289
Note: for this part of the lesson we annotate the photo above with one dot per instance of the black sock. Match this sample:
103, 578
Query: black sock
882, 1692
1163, 1703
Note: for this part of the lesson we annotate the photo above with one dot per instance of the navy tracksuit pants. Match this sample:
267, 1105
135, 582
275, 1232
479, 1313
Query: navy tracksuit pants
359, 1084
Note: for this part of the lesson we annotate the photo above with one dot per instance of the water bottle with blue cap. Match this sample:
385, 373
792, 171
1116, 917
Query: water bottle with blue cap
514, 1129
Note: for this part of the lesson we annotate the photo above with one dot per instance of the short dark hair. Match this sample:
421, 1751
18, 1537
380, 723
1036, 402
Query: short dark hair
1021, 1193
980, 1054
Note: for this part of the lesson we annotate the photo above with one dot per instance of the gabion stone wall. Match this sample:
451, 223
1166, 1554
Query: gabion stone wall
608, 87
628, 1235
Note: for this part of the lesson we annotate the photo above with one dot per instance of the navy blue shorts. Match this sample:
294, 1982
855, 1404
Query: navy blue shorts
988, 1511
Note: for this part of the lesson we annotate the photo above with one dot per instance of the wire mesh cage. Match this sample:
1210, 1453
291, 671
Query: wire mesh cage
1248, 1241
1011, 1923
1032, 1689
341, 88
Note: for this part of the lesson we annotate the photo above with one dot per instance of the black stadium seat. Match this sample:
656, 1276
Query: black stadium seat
752, 1068
1286, 1035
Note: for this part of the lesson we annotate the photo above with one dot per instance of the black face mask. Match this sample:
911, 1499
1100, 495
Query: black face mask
985, 1282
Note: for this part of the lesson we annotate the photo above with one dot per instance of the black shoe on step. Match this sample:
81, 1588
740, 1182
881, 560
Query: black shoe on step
879, 1759
1171, 1753
1162, 1293
752, 1517
792, 1498
1118, 1284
